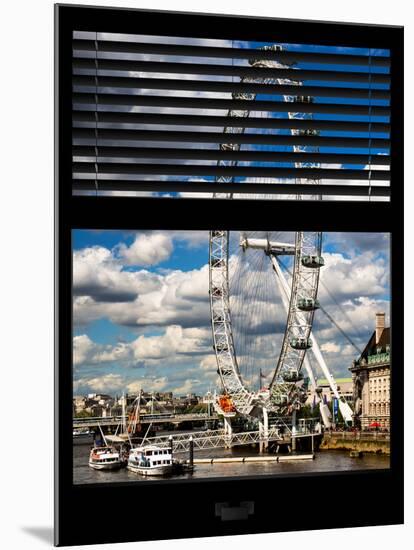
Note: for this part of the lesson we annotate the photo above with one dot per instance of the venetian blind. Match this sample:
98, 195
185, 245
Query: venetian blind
183, 117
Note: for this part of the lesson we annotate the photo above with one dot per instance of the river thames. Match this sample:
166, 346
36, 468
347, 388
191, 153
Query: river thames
325, 461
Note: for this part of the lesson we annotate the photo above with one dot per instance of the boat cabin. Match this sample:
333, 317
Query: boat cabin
104, 454
151, 456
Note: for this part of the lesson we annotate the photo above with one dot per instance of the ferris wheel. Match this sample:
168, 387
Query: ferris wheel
251, 293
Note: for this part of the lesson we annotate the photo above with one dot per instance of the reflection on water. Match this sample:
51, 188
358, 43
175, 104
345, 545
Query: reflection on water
325, 461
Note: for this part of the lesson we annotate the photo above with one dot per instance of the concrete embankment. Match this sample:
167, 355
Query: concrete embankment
369, 443
248, 459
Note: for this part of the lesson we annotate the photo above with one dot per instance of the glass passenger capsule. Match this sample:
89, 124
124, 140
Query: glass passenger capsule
307, 132
300, 343
222, 347
304, 99
292, 376
308, 304
312, 261
279, 399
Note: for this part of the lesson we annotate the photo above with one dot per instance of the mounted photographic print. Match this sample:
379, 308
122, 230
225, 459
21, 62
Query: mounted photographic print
229, 268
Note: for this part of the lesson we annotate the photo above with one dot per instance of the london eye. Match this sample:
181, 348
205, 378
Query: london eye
262, 313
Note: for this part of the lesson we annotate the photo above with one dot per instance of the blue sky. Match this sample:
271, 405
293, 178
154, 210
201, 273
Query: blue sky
141, 312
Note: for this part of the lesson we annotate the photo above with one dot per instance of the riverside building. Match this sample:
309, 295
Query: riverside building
371, 379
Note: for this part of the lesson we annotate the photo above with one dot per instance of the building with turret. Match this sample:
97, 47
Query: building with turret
371, 379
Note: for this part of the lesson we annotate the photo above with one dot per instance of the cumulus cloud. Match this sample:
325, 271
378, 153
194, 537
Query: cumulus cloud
192, 239
209, 363
353, 243
362, 275
168, 348
85, 351
107, 383
175, 341
187, 387
175, 297
149, 384
147, 249
98, 275
330, 347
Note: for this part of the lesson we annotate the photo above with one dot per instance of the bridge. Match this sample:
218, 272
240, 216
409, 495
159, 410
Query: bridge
206, 439
163, 418
214, 439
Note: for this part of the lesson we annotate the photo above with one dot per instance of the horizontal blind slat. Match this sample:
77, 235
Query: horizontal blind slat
87, 102
223, 121
138, 84
108, 46
215, 137
233, 171
233, 187
224, 70
218, 154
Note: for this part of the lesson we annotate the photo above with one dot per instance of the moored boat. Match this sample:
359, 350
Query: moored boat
150, 460
105, 458
82, 435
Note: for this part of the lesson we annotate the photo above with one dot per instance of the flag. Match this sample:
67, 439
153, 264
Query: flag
335, 408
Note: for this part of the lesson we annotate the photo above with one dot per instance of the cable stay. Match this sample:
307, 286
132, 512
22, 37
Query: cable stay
329, 316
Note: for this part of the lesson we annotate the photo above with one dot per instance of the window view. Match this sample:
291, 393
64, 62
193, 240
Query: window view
229, 353
191, 117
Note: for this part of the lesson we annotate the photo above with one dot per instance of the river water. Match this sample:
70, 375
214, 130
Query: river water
325, 461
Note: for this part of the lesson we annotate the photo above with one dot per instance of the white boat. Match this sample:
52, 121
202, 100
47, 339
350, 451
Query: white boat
104, 458
150, 460
82, 435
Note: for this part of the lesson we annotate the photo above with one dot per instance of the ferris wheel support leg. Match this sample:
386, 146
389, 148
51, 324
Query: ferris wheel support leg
345, 409
325, 414
264, 431
228, 432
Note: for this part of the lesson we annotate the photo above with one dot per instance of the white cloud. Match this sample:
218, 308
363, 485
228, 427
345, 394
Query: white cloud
149, 384
330, 347
97, 274
185, 388
173, 346
102, 289
147, 249
107, 383
83, 349
362, 275
209, 363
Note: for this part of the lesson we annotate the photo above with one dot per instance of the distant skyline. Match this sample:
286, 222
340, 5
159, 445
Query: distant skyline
141, 308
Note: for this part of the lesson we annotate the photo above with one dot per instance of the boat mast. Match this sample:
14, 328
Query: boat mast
123, 414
